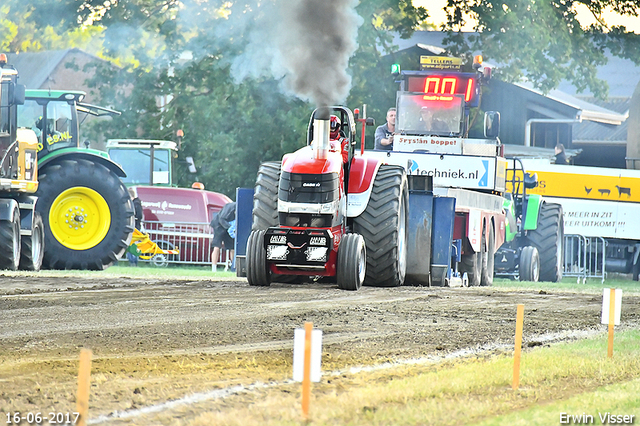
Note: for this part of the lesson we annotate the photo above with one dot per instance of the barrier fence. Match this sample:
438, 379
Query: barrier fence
584, 257
192, 239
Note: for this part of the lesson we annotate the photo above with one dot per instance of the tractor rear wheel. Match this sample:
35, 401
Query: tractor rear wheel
548, 238
529, 264
352, 262
257, 269
383, 224
32, 247
265, 196
10, 241
87, 215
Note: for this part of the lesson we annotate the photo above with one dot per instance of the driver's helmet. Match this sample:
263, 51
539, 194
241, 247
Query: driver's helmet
335, 127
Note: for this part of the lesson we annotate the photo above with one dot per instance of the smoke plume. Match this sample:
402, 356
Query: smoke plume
305, 43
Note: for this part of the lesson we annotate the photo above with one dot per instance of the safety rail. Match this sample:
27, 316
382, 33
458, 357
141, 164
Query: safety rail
584, 257
192, 239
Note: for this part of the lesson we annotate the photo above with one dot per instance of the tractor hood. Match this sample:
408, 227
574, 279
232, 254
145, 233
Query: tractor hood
304, 161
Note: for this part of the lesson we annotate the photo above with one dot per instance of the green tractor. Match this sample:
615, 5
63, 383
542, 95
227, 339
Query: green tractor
534, 240
86, 209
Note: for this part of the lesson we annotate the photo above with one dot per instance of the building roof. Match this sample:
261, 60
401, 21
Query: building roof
35, 68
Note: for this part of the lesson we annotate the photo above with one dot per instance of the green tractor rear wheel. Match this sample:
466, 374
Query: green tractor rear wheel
87, 214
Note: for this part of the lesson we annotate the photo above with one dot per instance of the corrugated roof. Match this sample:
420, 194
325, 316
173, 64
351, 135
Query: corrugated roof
591, 132
586, 110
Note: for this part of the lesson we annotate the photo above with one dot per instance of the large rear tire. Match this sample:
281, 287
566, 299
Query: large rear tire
87, 214
10, 242
383, 225
529, 269
548, 238
258, 273
32, 246
265, 196
352, 262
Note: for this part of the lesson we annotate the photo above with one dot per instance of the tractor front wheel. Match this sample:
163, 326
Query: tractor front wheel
548, 238
87, 215
258, 273
352, 262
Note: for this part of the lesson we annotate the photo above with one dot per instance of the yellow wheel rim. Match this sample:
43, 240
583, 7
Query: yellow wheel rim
79, 218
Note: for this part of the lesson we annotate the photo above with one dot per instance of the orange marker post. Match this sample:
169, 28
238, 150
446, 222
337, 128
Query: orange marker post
518, 347
84, 373
306, 374
612, 310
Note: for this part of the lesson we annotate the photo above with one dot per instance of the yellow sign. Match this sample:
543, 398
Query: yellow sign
593, 187
440, 63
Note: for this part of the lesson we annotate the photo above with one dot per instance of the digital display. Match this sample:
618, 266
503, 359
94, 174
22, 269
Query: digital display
442, 86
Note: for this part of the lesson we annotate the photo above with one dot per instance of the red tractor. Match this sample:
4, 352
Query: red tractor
326, 212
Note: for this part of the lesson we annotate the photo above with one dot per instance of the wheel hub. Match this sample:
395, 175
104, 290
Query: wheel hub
79, 218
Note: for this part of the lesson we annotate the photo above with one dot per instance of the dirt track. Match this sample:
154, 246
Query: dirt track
157, 340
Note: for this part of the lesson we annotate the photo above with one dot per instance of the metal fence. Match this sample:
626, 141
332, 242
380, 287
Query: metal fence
192, 239
584, 257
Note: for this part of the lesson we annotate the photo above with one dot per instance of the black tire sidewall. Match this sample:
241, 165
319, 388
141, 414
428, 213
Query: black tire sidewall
67, 174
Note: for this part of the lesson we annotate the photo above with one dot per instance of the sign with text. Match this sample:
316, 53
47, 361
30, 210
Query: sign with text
599, 218
407, 143
452, 171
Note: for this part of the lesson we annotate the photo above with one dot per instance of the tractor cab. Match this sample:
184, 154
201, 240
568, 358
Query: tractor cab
54, 116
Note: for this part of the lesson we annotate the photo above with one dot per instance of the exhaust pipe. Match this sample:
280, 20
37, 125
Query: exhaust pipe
321, 124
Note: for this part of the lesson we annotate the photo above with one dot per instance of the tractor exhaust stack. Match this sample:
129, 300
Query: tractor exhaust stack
321, 133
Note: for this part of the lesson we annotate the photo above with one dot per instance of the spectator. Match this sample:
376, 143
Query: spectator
384, 132
223, 224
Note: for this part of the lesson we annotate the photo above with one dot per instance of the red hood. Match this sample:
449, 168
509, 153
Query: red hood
302, 161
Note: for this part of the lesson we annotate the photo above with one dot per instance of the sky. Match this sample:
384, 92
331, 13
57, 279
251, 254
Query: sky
437, 16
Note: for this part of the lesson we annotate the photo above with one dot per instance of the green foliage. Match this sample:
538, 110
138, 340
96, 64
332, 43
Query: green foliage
543, 41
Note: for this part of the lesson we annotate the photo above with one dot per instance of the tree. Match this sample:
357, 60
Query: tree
543, 41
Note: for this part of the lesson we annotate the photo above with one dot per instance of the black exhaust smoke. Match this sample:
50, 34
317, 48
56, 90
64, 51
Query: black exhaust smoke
305, 43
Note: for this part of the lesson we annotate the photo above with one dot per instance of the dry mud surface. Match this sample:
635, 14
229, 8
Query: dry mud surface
155, 340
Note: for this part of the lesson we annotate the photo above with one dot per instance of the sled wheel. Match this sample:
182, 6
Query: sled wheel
529, 264
488, 255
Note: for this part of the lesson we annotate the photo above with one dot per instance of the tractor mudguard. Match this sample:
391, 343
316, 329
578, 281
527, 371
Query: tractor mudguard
93, 155
532, 211
511, 227
361, 177
7, 206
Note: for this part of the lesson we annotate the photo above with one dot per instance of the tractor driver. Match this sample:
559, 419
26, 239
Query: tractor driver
336, 135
